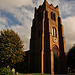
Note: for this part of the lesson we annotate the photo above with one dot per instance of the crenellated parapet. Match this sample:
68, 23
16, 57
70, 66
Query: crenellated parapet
46, 5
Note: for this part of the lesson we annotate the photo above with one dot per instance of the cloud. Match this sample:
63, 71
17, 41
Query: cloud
54, 2
8, 4
23, 14
25, 17
24, 33
3, 23
69, 30
67, 8
3, 20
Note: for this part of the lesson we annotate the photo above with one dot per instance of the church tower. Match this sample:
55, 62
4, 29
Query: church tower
47, 43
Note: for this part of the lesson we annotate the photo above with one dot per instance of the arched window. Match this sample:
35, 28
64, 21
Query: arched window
54, 32
54, 17
51, 15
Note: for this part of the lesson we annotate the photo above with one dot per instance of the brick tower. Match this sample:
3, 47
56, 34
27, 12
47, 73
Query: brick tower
47, 43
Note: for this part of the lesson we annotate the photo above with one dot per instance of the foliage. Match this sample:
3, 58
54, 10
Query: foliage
5, 71
71, 57
11, 47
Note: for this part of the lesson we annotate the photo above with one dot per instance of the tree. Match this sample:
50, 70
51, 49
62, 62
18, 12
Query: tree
11, 47
71, 57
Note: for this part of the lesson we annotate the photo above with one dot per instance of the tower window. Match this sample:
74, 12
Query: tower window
54, 32
53, 16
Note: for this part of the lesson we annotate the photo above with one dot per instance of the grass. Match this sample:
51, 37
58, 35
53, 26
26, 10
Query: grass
34, 74
46, 74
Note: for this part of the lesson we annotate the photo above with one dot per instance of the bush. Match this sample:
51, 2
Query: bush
5, 71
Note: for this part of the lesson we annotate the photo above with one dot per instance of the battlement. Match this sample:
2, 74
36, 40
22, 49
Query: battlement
46, 5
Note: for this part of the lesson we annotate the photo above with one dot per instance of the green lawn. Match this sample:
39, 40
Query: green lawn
46, 74
34, 74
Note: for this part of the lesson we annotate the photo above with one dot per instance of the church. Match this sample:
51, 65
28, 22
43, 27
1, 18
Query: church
47, 43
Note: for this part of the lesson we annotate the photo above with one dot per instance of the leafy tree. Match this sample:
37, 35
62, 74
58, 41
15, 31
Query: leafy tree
11, 47
71, 57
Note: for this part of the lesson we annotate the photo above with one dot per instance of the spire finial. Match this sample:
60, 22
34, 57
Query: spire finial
45, 0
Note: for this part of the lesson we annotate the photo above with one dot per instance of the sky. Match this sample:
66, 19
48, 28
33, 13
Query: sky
18, 15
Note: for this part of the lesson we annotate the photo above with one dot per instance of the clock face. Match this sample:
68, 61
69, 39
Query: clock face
54, 40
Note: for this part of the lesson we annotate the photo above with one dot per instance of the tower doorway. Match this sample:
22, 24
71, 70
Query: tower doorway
55, 52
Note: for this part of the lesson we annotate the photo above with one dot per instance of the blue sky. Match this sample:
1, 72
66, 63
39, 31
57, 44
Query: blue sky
18, 15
